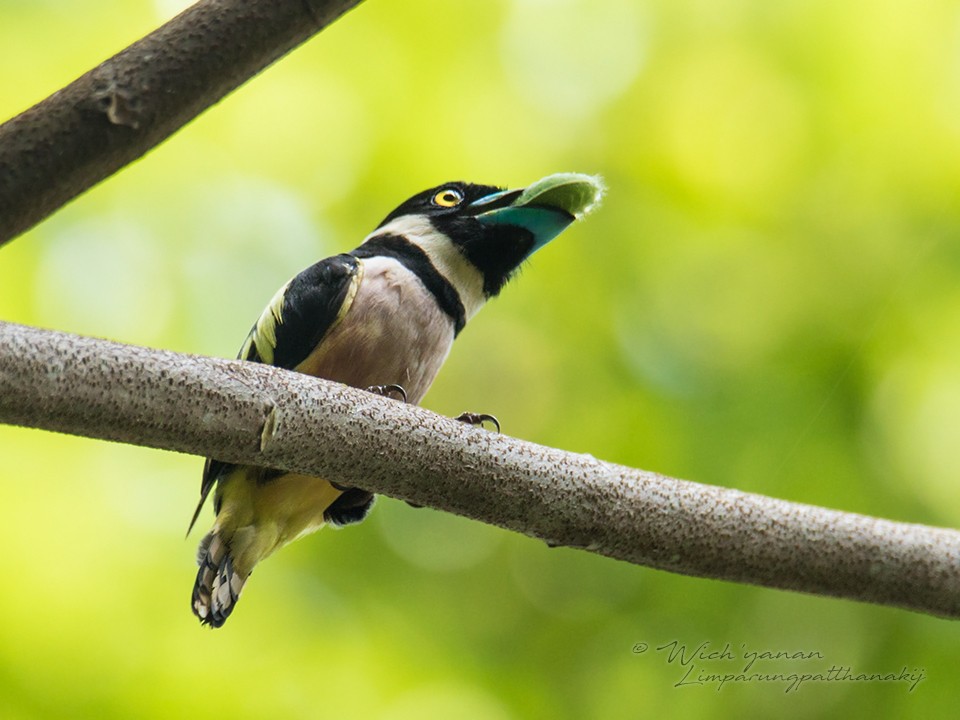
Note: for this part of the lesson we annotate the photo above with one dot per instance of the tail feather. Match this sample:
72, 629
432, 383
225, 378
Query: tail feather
218, 584
254, 519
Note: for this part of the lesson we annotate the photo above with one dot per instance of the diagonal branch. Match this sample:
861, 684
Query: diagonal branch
118, 111
243, 412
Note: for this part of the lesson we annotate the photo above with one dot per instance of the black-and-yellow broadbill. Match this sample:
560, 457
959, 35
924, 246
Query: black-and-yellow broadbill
382, 315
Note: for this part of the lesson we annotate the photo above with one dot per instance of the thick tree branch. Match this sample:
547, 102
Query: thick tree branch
115, 113
244, 412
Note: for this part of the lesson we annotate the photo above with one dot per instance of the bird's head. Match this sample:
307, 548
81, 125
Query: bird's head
478, 235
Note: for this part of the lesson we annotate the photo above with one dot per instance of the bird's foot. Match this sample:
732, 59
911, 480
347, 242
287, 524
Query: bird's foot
386, 390
478, 419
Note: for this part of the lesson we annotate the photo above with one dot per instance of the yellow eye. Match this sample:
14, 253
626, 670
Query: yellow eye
448, 198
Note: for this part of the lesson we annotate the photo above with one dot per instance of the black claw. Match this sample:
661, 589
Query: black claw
478, 419
385, 390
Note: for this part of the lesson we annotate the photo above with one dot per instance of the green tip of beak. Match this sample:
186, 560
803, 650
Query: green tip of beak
574, 193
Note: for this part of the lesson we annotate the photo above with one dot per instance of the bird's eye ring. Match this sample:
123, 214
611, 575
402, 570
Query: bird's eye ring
449, 197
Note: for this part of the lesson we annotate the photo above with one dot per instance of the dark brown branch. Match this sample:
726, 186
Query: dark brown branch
118, 111
243, 412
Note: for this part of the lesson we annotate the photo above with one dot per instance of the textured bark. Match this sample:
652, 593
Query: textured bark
115, 113
243, 412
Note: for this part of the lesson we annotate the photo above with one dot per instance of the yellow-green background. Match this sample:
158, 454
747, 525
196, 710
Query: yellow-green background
768, 300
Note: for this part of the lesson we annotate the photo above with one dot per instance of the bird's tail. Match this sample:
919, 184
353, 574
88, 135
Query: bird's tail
218, 583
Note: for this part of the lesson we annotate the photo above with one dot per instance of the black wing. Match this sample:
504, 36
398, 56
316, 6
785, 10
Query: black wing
301, 313
290, 327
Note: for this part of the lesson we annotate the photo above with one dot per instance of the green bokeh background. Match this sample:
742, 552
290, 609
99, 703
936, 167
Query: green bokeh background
768, 300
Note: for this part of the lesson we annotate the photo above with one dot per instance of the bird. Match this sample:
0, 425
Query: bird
382, 317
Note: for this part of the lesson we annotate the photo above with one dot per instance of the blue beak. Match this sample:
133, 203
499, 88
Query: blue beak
545, 208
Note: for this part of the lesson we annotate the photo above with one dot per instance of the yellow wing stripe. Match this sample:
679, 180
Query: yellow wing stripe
264, 333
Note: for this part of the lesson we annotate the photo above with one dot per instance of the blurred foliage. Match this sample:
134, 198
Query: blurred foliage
768, 300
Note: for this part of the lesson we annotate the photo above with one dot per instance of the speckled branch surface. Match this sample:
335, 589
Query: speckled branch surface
115, 113
243, 412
